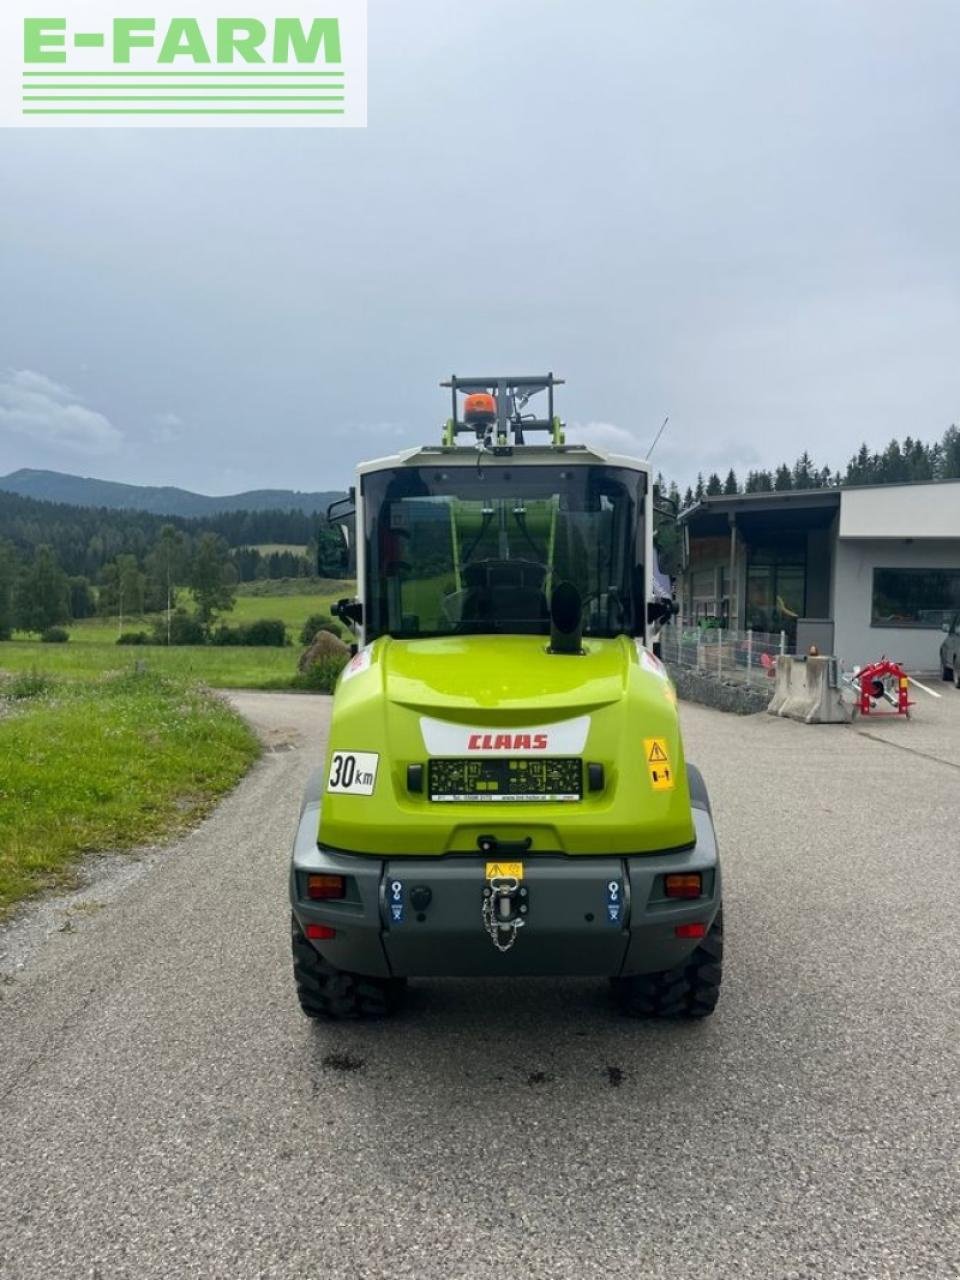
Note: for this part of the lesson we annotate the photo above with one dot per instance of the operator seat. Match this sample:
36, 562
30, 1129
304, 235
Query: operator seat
506, 591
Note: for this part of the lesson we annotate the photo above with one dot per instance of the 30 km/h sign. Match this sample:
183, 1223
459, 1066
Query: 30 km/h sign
353, 773
162, 62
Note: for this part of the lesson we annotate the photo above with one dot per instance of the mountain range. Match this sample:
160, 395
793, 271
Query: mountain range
84, 491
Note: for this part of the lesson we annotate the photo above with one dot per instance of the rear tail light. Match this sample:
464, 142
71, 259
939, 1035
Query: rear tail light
691, 930
685, 885
320, 932
322, 887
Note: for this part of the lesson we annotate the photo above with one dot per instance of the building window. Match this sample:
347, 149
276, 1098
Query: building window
914, 597
776, 584
703, 594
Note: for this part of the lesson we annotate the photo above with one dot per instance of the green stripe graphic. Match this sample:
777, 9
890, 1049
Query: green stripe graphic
265, 74
176, 111
194, 90
188, 97
196, 87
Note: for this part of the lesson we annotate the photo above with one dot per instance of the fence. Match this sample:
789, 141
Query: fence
747, 657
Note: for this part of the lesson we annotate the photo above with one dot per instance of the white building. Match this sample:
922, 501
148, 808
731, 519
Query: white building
861, 572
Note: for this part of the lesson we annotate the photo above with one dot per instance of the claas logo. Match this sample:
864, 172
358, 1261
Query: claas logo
507, 742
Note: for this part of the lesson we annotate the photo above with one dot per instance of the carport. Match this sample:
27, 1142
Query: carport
760, 561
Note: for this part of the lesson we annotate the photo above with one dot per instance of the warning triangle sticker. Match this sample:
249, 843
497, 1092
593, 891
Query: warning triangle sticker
657, 754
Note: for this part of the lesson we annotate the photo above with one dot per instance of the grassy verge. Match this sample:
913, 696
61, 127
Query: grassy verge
106, 763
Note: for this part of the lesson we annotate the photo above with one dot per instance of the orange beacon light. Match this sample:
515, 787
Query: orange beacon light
480, 407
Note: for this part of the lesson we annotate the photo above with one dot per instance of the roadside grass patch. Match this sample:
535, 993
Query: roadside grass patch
29, 684
106, 764
322, 675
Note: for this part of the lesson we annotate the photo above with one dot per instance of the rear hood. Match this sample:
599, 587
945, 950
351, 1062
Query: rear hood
402, 704
500, 680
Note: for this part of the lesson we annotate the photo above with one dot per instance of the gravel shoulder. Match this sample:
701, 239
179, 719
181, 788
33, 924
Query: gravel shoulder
166, 1111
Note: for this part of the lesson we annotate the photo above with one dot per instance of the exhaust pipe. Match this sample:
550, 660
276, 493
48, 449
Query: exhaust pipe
566, 619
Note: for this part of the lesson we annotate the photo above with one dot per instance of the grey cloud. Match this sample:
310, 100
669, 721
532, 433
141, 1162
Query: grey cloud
743, 215
45, 411
166, 428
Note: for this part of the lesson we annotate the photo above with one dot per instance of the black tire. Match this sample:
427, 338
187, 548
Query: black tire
946, 673
325, 991
698, 788
689, 991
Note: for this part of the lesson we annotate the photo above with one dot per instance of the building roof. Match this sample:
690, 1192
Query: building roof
776, 501
798, 508
929, 507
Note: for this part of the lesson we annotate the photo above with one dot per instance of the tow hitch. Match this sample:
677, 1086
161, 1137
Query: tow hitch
505, 900
504, 910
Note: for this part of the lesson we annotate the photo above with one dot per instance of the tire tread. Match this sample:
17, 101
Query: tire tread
327, 992
690, 990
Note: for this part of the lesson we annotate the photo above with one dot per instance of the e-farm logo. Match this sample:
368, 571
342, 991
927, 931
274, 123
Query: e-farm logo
182, 62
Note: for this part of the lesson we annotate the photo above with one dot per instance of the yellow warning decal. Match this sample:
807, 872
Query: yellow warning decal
495, 870
658, 764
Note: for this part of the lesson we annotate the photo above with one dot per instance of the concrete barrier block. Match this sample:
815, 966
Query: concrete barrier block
807, 689
781, 687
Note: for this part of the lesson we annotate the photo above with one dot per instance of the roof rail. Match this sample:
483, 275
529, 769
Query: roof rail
512, 395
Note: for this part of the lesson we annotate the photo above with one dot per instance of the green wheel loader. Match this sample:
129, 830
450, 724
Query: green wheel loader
504, 790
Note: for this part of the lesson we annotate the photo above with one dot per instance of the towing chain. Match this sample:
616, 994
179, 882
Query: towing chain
502, 934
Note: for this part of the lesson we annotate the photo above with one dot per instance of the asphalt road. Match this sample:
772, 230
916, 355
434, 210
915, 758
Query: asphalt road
165, 1110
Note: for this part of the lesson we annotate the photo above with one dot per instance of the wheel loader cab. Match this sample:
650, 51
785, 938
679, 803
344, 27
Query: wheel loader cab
505, 790
477, 545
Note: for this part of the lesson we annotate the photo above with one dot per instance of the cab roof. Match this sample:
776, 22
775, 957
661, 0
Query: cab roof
511, 455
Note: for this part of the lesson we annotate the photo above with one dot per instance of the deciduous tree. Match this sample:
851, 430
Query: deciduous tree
42, 598
212, 578
167, 567
8, 589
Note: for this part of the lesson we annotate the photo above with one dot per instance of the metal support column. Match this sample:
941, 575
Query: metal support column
733, 620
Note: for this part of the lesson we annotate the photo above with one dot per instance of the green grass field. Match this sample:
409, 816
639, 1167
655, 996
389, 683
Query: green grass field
224, 667
101, 630
332, 588
278, 548
105, 763
291, 609
93, 650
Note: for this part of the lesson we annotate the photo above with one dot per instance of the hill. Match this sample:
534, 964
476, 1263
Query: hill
87, 538
84, 491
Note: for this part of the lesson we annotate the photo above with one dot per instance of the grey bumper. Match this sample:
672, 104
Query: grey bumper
588, 915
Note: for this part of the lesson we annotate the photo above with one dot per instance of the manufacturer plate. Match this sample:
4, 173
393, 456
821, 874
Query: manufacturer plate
506, 781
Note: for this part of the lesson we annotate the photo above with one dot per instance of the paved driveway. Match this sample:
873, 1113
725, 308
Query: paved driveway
166, 1111
934, 727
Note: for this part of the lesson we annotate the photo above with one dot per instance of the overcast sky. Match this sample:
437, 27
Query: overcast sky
741, 213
